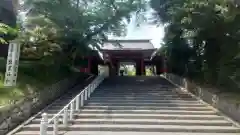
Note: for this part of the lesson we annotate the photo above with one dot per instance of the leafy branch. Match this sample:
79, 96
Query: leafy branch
5, 31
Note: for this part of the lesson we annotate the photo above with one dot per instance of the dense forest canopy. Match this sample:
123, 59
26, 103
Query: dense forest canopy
202, 38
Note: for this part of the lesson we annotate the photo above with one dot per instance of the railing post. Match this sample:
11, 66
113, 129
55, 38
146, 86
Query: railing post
77, 103
89, 90
94, 87
65, 117
44, 124
185, 84
55, 127
86, 93
71, 110
82, 99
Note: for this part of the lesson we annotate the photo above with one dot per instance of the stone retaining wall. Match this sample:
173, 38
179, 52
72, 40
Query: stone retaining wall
24, 109
226, 103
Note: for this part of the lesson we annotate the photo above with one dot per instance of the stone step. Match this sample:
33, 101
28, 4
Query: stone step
138, 102
128, 84
146, 104
121, 133
142, 101
132, 112
180, 112
150, 116
154, 122
148, 107
148, 111
142, 95
146, 89
121, 91
140, 128
137, 92
143, 98
163, 115
129, 87
135, 87
147, 122
139, 106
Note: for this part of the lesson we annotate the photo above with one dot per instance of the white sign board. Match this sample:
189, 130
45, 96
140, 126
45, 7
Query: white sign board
12, 64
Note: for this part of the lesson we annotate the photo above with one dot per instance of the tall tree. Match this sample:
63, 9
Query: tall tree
209, 29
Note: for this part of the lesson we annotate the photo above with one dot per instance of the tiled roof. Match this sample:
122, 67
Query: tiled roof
128, 45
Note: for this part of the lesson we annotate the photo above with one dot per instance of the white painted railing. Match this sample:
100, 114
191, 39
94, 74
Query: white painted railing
67, 113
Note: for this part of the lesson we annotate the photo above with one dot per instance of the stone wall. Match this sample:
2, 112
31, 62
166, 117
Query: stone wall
227, 103
24, 109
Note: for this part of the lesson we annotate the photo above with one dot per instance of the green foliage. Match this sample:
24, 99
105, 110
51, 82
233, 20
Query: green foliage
131, 72
72, 26
6, 33
202, 38
149, 72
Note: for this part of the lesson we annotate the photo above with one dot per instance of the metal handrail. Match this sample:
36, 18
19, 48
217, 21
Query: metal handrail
69, 109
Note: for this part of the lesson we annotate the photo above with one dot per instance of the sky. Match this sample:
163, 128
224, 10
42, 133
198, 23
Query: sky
145, 31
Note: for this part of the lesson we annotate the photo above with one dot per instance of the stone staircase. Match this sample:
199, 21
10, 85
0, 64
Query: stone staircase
141, 106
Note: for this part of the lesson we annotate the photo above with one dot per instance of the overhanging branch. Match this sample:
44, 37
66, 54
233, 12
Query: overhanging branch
106, 24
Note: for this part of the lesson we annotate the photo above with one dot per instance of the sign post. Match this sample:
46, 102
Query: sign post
12, 64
